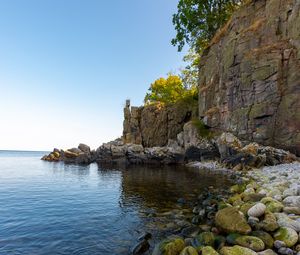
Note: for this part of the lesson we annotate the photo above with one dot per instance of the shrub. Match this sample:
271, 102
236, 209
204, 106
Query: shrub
170, 90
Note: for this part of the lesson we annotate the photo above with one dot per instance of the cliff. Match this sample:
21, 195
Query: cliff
154, 125
250, 75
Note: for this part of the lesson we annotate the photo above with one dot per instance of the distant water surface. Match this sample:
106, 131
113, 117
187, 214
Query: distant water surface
52, 208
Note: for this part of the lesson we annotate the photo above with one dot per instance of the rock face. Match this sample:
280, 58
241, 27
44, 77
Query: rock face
154, 125
249, 76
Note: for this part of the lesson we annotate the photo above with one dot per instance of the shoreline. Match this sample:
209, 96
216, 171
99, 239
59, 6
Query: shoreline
260, 216
245, 219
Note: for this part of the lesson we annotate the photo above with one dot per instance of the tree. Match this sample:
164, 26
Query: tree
196, 21
189, 74
165, 90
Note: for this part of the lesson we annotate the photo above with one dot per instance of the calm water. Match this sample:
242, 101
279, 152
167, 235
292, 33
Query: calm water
52, 208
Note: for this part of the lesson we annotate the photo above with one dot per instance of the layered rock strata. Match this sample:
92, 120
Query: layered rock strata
249, 76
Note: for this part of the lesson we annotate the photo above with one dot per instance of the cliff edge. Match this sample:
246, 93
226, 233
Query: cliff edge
250, 75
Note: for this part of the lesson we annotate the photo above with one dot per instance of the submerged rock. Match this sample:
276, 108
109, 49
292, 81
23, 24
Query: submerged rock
141, 248
170, 246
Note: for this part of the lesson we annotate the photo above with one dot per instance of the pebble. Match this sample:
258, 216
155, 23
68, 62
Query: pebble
285, 251
279, 244
253, 221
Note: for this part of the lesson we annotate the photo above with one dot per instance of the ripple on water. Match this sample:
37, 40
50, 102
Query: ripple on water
52, 208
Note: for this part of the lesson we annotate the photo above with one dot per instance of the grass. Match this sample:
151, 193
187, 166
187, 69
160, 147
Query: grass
203, 130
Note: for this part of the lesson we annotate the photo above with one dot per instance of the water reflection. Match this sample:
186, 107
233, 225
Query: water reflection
161, 187
53, 208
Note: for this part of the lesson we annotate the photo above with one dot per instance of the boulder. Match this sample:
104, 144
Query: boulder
288, 235
84, 148
208, 250
70, 154
236, 250
74, 150
205, 239
269, 223
293, 201
228, 145
170, 246
267, 252
284, 221
252, 242
189, 250
265, 237
257, 210
231, 220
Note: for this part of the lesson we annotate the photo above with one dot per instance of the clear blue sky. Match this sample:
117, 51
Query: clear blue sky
67, 66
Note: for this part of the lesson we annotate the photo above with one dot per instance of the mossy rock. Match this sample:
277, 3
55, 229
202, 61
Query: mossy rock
231, 220
222, 205
251, 242
170, 246
238, 188
265, 237
189, 250
288, 235
235, 199
269, 222
236, 250
231, 238
266, 200
245, 207
274, 206
205, 239
208, 250
219, 242
252, 197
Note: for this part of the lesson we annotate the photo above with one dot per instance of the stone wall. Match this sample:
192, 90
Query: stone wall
250, 75
153, 125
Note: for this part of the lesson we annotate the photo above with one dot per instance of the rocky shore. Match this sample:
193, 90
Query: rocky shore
188, 146
259, 215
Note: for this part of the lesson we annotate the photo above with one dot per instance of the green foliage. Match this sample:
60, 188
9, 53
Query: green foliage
189, 75
203, 131
196, 21
170, 90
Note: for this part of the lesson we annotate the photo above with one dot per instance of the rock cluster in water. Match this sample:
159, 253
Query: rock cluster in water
260, 216
189, 146
80, 155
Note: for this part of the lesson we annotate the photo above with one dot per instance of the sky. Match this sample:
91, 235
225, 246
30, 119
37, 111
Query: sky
67, 67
